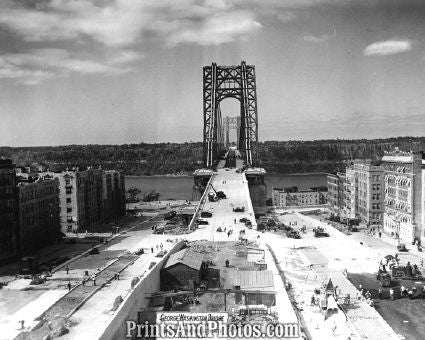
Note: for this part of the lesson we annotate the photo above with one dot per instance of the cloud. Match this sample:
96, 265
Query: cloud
118, 23
389, 47
316, 39
37, 65
218, 29
286, 16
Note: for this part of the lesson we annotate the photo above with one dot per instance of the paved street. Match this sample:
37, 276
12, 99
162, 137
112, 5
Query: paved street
29, 302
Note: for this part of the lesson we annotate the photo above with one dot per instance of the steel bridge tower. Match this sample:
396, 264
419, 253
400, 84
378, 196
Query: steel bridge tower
231, 123
237, 82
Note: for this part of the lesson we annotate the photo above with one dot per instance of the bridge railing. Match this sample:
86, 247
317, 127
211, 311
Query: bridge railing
201, 203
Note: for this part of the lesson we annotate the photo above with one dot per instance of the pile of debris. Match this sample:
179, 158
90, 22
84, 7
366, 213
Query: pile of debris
172, 229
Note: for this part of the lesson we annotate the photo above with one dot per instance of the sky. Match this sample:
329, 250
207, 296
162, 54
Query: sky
130, 71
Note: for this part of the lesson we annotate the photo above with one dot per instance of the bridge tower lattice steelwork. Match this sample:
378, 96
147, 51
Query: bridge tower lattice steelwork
231, 123
237, 82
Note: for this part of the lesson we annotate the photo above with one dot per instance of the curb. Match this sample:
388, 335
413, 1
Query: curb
97, 246
99, 288
305, 334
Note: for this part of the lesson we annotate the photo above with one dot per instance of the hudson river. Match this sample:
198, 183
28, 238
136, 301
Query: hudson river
181, 187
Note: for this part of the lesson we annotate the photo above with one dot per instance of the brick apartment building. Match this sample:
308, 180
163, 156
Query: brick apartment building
358, 193
9, 231
90, 198
403, 194
39, 224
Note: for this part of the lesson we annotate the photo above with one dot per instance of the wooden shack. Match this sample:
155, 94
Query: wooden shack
182, 270
256, 285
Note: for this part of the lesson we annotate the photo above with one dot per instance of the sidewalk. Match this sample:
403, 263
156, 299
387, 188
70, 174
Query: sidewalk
367, 321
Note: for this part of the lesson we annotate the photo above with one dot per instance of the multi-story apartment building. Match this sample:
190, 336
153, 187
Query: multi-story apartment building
333, 183
370, 192
113, 195
342, 181
403, 194
350, 193
89, 198
289, 197
39, 223
68, 200
358, 193
9, 231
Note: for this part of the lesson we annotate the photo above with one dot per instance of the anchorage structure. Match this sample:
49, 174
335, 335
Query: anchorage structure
222, 82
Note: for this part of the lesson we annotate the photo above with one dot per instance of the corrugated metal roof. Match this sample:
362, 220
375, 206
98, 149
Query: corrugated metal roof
253, 279
255, 254
186, 257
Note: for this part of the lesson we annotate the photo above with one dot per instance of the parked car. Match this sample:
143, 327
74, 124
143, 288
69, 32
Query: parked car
239, 209
206, 214
140, 251
293, 234
94, 251
169, 215
243, 220
320, 232
200, 221
162, 253
221, 194
402, 247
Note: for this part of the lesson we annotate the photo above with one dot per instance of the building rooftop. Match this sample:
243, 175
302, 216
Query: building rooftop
398, 158
186, 257
203, 172
253, 279
6, 163
255, 171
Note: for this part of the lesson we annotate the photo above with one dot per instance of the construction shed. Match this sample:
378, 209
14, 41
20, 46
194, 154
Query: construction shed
182, 270
256, 285
257, 257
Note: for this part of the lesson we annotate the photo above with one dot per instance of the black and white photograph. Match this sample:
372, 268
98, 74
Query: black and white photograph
228, 169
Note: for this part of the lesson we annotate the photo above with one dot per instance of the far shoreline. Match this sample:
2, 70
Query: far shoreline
267, 173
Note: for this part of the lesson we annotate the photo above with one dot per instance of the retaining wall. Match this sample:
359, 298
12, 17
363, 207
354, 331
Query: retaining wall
136, 300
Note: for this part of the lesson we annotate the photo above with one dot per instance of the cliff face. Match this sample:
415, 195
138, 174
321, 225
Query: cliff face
174, 158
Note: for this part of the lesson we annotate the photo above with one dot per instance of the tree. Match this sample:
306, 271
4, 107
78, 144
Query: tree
132, 194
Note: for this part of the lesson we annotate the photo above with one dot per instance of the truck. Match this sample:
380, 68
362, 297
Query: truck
169, 215
248, 224
384, 278
406, 273
320, 232
220, 195
293, 234
212, 197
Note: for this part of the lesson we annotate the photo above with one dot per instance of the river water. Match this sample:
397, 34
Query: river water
181, 187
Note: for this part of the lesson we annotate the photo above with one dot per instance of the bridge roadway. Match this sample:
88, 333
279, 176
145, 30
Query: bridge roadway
235, 186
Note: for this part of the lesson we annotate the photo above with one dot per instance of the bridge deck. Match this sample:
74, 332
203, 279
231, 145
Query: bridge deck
235, 186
